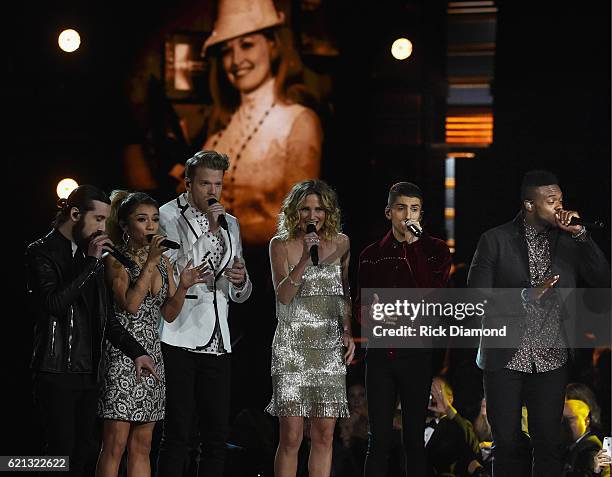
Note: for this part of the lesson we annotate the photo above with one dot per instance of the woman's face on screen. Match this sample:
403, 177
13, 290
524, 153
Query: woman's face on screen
247, 61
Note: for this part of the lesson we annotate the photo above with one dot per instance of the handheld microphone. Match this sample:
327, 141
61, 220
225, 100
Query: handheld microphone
221, 220
594, 224
165, 242
124, 260
415, 230
314, 250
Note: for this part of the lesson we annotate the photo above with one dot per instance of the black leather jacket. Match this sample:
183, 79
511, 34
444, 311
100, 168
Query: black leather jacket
57, 343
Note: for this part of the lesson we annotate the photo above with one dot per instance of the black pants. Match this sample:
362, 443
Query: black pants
410, 377
544, 396
67, 407
197, 393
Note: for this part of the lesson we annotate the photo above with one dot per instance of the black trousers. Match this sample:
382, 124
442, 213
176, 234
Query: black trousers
544, 396
67, 405
410, 377
197, 394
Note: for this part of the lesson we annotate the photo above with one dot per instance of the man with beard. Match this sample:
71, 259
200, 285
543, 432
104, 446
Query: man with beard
522, 261
73, 313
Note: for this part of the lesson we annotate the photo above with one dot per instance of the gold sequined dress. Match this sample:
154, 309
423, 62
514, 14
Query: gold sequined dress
308, 369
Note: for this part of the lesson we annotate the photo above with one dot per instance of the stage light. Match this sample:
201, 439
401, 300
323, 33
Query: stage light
65, 187
69, 40
401, 48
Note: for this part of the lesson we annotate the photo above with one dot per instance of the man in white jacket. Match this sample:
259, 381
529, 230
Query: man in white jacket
197, 345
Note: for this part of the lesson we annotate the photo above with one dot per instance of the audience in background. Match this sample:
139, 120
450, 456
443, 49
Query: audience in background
450, 442
581, 445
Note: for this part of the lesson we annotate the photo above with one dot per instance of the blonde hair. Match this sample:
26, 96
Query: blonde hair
289, 216
112, 222
286, 67
579, 408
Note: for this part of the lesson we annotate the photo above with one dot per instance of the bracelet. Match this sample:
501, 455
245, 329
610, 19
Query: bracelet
295, 284
580, 234
525, 295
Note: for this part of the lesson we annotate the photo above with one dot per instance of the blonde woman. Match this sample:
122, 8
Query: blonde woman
313, 343
259, 118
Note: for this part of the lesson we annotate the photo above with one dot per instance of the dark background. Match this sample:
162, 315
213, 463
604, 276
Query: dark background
70, 115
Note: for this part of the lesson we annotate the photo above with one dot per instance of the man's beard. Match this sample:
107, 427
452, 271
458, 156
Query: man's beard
78, 236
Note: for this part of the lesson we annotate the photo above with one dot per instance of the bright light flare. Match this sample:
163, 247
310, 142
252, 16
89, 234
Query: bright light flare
401, 48
69, 40
65, 187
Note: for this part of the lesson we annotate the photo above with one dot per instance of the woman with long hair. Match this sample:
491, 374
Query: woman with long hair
143, 293
313, 343
259, 118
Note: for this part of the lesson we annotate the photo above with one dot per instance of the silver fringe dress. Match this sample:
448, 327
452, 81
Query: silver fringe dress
308, 369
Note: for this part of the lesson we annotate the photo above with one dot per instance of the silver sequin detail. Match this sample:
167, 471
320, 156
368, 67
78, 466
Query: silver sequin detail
308, 369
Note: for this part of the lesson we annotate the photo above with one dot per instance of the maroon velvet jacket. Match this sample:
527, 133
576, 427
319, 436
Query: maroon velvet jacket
392, 264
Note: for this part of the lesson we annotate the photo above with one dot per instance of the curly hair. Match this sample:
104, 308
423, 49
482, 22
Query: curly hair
289, 216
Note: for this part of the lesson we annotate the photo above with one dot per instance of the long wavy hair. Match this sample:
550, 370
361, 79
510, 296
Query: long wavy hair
123, 203
286, 67
289, 216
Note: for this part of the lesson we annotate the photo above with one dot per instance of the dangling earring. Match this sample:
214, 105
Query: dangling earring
125, 237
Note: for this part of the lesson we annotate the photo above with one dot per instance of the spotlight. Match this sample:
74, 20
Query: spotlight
65, 187
69, 40
401, 48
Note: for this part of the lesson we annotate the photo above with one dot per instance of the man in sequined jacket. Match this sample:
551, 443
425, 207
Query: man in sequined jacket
526, 258
401, 259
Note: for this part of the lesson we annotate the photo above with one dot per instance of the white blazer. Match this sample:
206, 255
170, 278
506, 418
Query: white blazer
195, 324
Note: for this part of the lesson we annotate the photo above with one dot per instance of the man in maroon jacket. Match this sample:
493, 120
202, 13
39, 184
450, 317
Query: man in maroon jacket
406, 257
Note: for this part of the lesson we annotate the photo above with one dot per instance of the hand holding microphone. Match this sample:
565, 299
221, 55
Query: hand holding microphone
592, 224
100, 246
97, 242
414, 227
216, 213
165, 242
312, 238
570, 221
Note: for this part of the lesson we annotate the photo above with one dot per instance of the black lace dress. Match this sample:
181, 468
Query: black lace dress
121, 397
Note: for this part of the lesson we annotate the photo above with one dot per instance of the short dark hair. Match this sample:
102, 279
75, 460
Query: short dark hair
536, 178
407, 189
214, 160
82, 198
